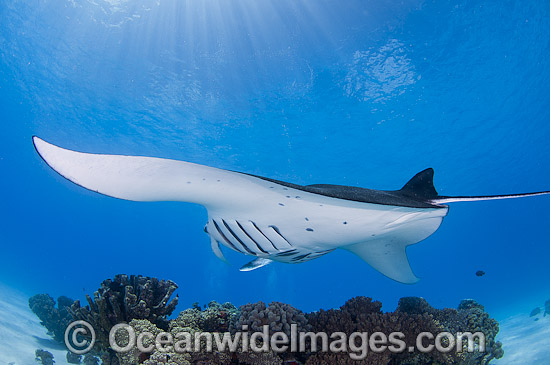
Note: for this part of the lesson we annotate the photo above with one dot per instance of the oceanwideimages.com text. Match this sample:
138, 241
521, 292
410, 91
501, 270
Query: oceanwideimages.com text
123, 338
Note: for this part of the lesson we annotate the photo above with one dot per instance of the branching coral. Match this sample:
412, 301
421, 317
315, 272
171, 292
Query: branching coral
125, 298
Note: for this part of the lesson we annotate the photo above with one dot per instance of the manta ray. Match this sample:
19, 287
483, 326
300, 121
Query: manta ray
275, 220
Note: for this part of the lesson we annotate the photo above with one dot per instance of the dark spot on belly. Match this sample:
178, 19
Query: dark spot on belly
307, 219
218, 180
309, 229
298, 197
281, 204
345, 223
285, 188
189, 182
288, 196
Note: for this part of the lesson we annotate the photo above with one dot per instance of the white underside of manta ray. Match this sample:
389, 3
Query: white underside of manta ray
274, 220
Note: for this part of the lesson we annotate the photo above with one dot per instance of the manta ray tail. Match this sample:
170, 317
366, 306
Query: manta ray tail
453, 199
421, 187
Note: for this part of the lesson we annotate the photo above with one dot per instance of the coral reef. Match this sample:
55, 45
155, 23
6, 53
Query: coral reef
218, 317
90, 360
125, 298
470, 316
412, 316
54, 319
279, 317
45, 357
144, 303
134, 356
73, 358
215, 317
361, 314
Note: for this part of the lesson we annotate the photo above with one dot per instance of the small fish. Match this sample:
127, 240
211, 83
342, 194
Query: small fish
534, 312
480, 273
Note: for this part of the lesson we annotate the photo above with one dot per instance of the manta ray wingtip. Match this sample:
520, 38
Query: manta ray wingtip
40, 146
35, 142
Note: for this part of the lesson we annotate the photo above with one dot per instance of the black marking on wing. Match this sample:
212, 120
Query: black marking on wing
252, 239
319, 254
225, 238
287, 253
301, 257
276, 229
237, 238
267, 238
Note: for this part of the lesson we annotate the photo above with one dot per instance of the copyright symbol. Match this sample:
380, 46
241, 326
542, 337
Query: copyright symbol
72, 342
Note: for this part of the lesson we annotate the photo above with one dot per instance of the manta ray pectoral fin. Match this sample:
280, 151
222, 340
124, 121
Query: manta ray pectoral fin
147, 178
256, 264
389, 258
217, 251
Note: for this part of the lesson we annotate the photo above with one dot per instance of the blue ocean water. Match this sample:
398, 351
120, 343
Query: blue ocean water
352, 93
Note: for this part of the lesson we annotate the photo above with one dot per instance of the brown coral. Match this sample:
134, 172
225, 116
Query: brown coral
125, 298
278, 316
